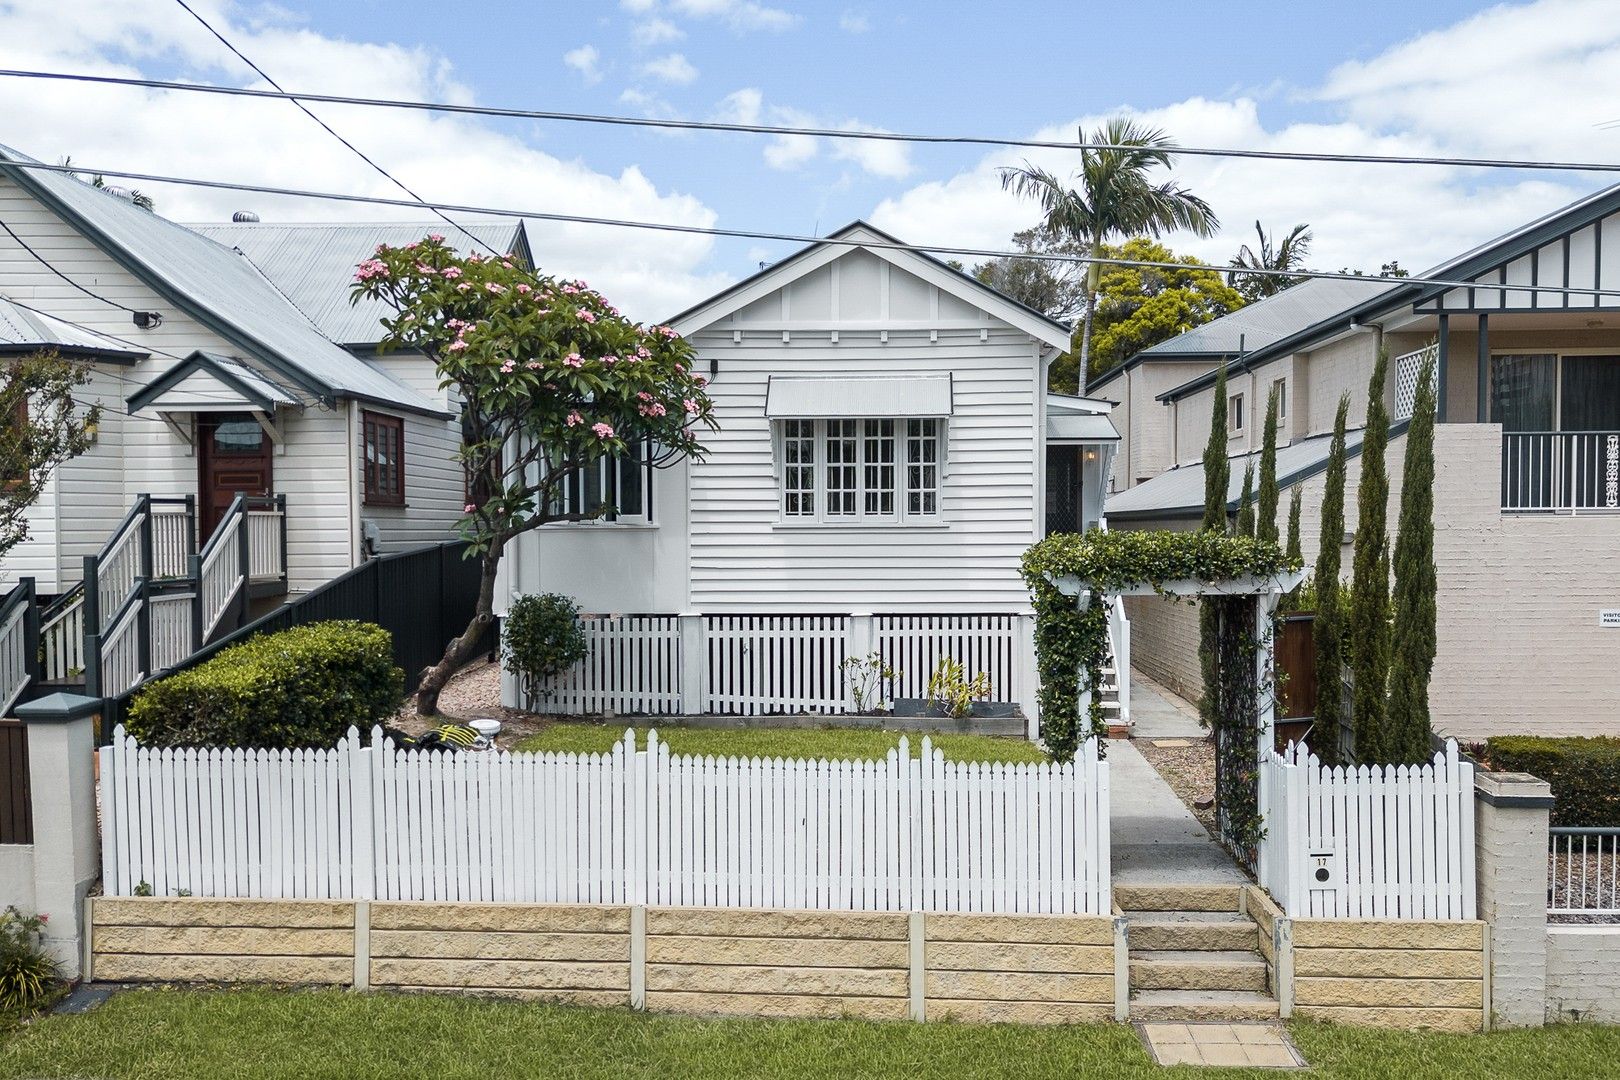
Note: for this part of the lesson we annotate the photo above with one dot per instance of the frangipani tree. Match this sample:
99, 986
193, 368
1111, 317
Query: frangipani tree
551, 379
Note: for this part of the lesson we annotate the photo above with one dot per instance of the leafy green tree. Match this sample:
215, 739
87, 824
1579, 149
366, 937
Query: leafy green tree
1327, 630
1245, 515
1266, 526
1369, 592
1112, 196
41, 426
552, 379
1273, 260
1217, 477
1412, 655
1139, 306
1295, 551
1055, 288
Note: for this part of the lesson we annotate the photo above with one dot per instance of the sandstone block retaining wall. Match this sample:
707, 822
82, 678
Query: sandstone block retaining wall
1390, 973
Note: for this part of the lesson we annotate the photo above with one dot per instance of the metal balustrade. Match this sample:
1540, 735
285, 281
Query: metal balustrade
1561, 471
1583, 872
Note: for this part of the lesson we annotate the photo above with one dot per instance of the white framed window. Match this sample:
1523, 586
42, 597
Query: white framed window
1280, 388
613, 481
857, 471
1234, 414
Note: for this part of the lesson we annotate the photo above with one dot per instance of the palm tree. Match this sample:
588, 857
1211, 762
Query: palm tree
1112, 199
1288, 255
139, 198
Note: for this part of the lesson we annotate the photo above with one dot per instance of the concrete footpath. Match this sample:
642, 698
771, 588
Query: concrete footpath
1155, 837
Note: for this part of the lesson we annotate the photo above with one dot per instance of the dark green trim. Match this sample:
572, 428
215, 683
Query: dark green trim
197, 361
1514, 802
120, 357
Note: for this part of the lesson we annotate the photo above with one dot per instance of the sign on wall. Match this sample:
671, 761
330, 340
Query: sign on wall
1609, 617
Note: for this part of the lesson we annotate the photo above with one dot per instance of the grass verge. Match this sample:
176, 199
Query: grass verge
847, 744
333, 1033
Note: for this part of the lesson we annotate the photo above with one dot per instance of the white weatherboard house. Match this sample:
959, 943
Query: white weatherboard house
227, 360
1527, 455
887, 451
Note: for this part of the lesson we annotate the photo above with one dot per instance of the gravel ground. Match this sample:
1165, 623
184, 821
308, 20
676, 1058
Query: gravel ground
475, 692
1189, 770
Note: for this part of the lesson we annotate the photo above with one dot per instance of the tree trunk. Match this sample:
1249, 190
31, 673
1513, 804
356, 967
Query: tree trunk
1085, 342
465, 647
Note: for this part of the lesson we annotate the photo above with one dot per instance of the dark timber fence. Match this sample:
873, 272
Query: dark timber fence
423, 597
16, 810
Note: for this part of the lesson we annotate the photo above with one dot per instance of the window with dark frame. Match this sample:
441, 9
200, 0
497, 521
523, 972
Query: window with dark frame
620, 482
385, 459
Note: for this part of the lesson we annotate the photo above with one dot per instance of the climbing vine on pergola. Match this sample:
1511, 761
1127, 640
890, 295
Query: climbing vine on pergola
1074, 579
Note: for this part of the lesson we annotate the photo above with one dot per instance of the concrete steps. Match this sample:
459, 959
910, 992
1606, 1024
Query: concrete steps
1194, 955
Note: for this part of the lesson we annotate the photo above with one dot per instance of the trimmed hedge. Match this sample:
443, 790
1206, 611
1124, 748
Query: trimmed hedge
295, 688
1584, 774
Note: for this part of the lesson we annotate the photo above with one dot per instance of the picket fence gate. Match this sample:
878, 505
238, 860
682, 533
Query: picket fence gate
1374, 842
628, 826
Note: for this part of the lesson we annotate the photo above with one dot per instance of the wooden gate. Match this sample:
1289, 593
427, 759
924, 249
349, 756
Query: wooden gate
16, 809
1295, 658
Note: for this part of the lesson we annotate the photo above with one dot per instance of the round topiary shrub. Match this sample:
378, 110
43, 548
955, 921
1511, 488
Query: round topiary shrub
541, 638
294, 688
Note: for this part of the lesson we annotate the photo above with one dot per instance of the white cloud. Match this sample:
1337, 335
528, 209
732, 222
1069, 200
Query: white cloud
1442, 94
854, 22
587, 61
270, 142
891, 160
638, 7
651, 32
740, 15
674, 68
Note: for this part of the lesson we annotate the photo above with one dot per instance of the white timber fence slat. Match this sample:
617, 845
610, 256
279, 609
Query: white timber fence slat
755, 664
1368, 842
627, 826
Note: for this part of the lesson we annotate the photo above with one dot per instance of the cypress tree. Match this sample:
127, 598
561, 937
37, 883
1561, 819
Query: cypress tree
1369, 590
1217, 476
1266, 523
1245, 516
1326, 631
1412, 657
1295, 505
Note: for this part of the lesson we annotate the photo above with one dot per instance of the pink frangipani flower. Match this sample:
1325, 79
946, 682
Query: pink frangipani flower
603, 431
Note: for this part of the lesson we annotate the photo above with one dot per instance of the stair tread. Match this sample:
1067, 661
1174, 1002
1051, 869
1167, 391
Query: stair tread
1210, 957
1202, 997
1189, 918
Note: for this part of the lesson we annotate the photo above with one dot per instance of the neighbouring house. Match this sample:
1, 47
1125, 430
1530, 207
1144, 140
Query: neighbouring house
227, 361
1527, 487
887, 451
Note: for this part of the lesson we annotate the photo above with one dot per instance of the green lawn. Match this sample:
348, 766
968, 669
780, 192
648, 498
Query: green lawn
830, 743
334, 1033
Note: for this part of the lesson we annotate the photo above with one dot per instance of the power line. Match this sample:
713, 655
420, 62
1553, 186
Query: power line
46, 263
361, 154
815, 132
798, 238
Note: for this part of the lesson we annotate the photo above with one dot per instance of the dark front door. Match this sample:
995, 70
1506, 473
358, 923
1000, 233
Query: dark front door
233, 455
1062, 489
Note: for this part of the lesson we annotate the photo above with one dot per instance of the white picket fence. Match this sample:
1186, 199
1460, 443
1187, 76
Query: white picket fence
758, 664
1374, 842
628, 826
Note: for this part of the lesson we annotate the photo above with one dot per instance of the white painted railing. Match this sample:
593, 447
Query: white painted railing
1583, 872
634, 666
1573, 471
1374, 842
118, 568
1119, 646
629, 826
220, 576
266, 557
14, 666
62, 641
120, 647
173, 526
914, 645
170, 631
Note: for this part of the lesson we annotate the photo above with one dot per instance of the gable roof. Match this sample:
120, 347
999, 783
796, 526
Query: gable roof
24, 331
1179, 492
1470, 264
313, 263
204, 382
216, 286
811, 257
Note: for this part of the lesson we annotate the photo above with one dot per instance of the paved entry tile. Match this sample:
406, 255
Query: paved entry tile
1264, 1046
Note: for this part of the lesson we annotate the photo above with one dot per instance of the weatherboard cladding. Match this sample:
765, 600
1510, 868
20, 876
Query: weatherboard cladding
313, 264
216, 286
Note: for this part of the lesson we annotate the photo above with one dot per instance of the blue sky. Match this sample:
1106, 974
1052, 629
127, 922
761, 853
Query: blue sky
1443, 77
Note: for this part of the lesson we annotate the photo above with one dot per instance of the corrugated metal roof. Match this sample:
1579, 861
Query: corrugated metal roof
1081, 427
217, 286
827, 396
34, 329
313, 264
1272, 319
1180, 492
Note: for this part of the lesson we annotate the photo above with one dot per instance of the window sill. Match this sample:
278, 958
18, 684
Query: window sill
629, 526
369, 505
846, 526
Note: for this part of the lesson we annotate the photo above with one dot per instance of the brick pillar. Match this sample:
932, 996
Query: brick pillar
67, 854
1511, 814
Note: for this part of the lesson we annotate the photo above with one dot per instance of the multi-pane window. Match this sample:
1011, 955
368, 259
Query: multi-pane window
799, 468
385, 458
857, 469
618, 483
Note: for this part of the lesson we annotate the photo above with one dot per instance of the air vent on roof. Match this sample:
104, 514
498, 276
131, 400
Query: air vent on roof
244, 217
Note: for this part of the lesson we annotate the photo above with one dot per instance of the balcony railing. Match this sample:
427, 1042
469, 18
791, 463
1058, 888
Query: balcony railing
1561, 471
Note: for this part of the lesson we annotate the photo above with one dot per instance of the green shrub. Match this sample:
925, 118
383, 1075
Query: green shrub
26, 972
298, 687
1584, 774
540, 639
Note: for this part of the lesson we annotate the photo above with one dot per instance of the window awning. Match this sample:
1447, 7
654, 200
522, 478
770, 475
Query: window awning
1080, 427
205, 382
816, 397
